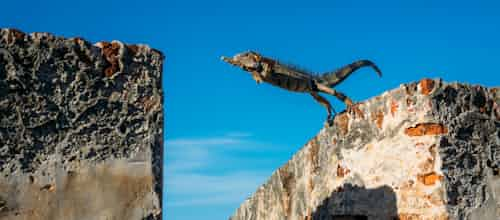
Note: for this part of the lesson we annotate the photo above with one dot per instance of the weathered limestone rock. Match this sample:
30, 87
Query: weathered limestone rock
81, 129
427, 150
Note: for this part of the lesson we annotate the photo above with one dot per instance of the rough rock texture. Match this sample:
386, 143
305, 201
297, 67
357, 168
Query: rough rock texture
80, 128
427, 150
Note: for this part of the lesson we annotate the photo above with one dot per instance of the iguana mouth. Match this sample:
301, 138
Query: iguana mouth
229, 60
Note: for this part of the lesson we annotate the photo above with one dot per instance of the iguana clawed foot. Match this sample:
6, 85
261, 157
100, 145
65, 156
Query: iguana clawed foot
349, 105
350, 108
330, 117
329, 121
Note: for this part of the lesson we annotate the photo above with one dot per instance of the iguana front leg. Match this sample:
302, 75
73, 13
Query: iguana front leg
324, 102
257, 77
266, 69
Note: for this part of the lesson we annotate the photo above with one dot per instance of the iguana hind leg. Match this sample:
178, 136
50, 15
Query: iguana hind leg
324, 102
335, 93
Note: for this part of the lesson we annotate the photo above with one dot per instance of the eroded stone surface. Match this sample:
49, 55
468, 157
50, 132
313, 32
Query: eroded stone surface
80, 128
427, 150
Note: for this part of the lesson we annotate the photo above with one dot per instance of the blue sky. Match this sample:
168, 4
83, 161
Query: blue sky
225, 134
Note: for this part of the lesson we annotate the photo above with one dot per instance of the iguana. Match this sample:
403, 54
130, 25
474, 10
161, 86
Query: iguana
264, 69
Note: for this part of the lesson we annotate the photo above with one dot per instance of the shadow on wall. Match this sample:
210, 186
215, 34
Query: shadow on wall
350, 202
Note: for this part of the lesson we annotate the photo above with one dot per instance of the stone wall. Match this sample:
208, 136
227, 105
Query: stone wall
81, 128
427, 150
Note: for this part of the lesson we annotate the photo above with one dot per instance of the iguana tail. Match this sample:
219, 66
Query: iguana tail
333, 78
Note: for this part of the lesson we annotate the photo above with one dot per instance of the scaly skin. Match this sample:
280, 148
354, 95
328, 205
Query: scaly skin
264, 69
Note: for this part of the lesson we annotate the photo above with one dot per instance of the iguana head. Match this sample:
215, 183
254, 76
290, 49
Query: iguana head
248, 61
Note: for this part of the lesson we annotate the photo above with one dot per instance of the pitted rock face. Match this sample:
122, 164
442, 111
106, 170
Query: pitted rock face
427, 150
68, 108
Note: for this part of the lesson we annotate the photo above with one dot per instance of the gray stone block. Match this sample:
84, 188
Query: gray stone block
81, 128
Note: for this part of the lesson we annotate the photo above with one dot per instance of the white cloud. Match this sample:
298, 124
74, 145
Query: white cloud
238, 134
188, 161
204, 142
198, 189
184, 154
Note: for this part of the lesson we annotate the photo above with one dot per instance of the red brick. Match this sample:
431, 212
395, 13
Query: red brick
428, 128
426, 86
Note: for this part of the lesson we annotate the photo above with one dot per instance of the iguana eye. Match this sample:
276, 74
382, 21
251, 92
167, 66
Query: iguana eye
256, 57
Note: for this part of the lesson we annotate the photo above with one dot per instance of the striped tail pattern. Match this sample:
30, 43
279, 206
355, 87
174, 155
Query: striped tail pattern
331, 79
